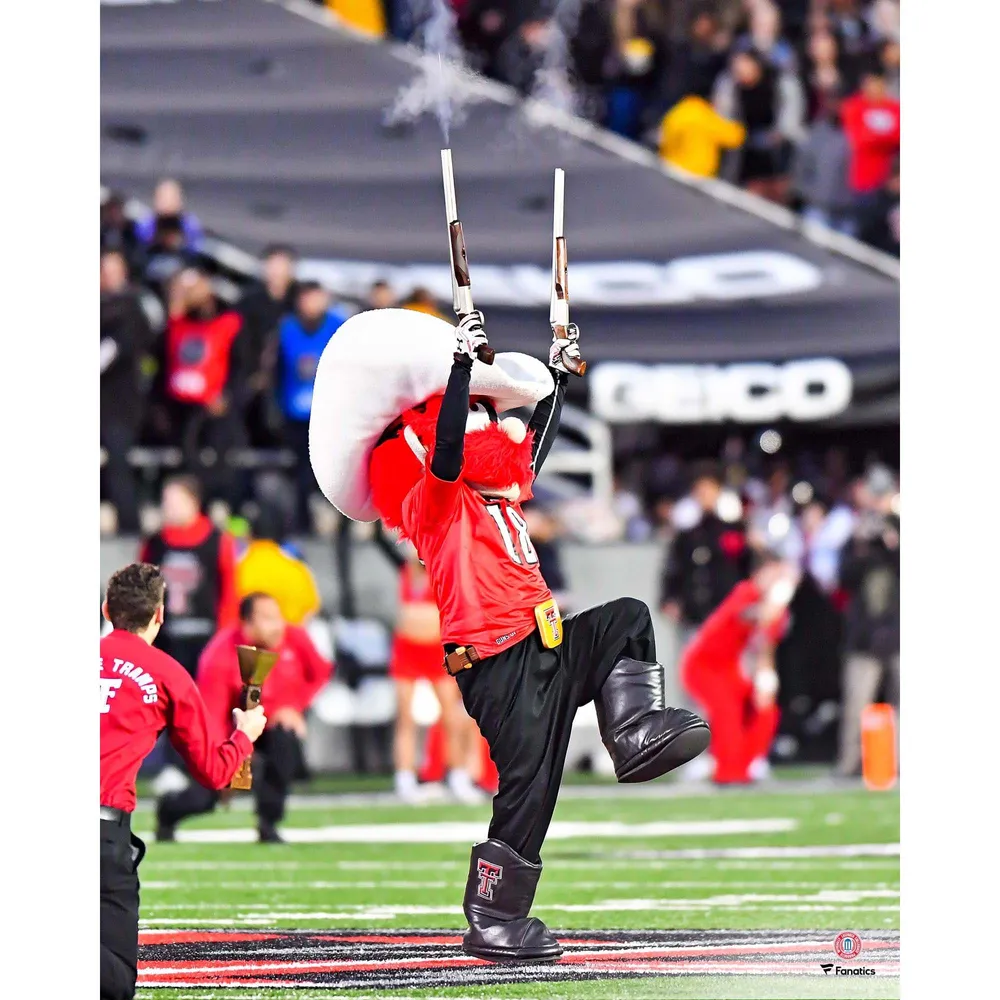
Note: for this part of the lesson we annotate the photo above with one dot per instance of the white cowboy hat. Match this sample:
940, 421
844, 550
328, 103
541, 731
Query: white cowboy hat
376, 366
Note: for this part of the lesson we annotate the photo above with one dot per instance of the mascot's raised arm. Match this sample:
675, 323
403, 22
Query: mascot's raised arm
406, 425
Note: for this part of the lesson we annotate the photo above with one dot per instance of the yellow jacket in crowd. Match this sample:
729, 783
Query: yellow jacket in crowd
266, 568
693, 133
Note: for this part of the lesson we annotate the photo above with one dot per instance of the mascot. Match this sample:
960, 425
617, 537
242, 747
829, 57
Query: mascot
409, 427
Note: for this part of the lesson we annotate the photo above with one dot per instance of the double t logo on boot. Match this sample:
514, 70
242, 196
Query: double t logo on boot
489, 875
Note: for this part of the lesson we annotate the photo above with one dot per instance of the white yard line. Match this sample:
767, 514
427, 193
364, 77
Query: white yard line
467, 833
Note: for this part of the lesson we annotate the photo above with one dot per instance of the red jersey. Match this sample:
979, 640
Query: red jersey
722, 640
292, 683
193, 590
872, 129
483, 567
198, 356
144, 691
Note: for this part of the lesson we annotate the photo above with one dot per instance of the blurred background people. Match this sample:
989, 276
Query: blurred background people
870, 580
168, 211
268, 564
729, 669
204, 380
296, 677
198, 562
417, 655
125, 338
302, 335
706, 559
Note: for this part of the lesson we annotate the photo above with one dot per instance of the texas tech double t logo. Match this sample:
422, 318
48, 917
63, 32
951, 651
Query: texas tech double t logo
489, 875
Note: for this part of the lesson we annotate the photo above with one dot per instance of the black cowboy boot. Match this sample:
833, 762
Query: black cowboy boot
644, 737
498, 895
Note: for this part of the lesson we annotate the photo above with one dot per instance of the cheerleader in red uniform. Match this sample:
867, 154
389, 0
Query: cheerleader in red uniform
728, 668
417, 654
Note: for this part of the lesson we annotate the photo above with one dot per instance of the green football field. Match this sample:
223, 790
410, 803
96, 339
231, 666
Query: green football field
742, 893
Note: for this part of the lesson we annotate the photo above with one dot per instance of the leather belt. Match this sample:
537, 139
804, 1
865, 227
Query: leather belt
461, 659
112, 815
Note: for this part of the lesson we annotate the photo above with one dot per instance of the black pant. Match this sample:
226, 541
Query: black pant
118, 478
185, 649
278, 760
121, 852
296, 437
197, 430
525, 699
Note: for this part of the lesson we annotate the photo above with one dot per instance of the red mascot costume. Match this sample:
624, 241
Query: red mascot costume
406, 425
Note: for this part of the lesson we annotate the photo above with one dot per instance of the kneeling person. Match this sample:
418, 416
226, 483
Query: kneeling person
294, 680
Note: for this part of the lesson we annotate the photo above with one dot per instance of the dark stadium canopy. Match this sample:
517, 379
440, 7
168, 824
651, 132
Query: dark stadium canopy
275, 124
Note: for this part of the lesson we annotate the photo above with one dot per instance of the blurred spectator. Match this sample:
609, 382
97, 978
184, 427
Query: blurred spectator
268, 565
694, 63
635, 62
883, 16
522, 54
297, 676
741, 710
769, 103
167, 255
544, 530
889, 57
764, 37
302, 336
822, 75
198, 562
693, 134
824, 531
421, 300
118, 232
820, 172
871, 121
704, 562
879, 223
205, 383
869, 575
382, 295
846, 21
261, 307
125, 337
168, 213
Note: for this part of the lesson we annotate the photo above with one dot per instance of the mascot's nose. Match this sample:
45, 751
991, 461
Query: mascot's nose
514, 429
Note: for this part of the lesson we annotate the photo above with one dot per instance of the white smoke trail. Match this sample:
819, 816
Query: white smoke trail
442, 85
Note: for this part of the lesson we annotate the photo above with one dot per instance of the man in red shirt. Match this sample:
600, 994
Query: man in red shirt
452, 475
871, 120
740, 703
293, 682
198, 561
143, 692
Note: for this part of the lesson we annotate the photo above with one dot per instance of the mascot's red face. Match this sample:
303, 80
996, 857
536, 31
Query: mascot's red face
497, 456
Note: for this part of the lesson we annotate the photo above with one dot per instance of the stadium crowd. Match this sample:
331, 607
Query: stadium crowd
795, 100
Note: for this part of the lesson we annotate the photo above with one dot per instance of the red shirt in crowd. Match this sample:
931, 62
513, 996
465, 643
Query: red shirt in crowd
194, 535
872, 128
144, 691
294, 679
197, 356
722, 640
483, 567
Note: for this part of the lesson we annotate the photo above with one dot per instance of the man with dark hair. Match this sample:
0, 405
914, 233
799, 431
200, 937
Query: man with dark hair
294, 680
198, 561
143, 692
706, 560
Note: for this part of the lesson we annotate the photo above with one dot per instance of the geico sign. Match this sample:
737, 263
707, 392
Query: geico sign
730, 276
751, 393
